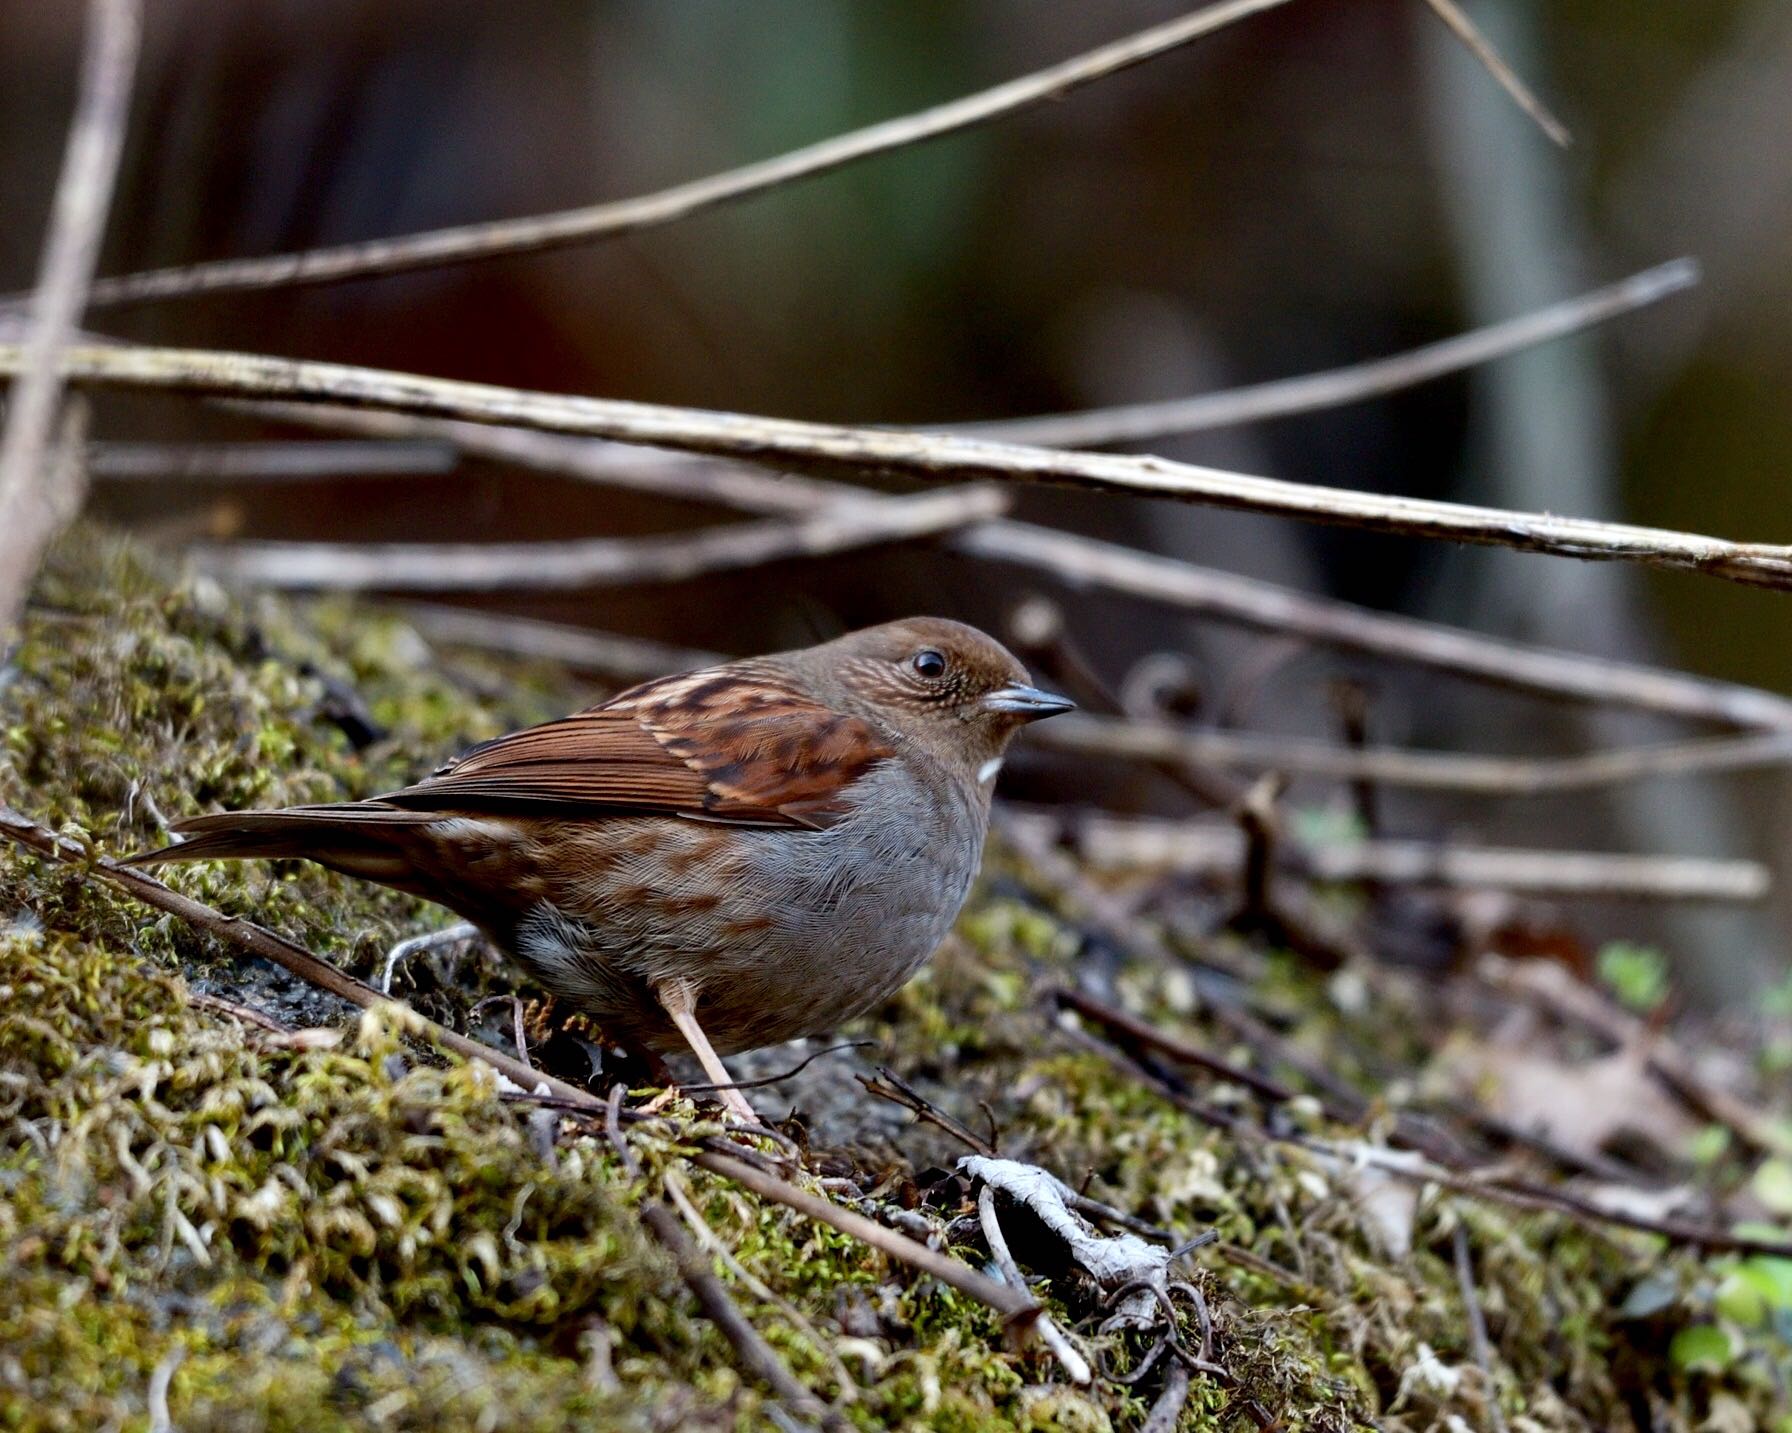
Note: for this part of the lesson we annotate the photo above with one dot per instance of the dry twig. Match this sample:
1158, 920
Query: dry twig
242, 1014
1083, 563
1017, 1305
538, 233
1477, 1328
160, 1379
272, 462
1465, 30
629, 216
33, 503
1209, 848
1335, 387
1162, 742
757, 1356
1166, 1412
888, 1085
781, 442
749, 1346
1067, 1353
1143, 1033
1131, 1273
1417, 1169
1543, 1199
256, 940
579, 563
710, 1240
603, 654
1340, 1103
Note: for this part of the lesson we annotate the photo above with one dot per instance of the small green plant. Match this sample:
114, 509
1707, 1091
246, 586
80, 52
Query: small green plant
1772, 1185
1636, 974
1702, 1348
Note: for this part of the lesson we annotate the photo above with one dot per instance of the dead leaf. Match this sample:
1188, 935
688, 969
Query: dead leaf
1580, 1107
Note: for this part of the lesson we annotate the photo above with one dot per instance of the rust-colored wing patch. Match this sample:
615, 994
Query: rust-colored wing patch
727, 745
761, 747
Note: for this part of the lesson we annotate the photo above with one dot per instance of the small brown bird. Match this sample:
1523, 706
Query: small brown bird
733, 857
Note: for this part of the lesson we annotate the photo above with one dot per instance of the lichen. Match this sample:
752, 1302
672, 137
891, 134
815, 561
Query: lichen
314, 1232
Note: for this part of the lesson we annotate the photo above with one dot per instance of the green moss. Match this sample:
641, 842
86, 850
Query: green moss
167, 1182
293, 1234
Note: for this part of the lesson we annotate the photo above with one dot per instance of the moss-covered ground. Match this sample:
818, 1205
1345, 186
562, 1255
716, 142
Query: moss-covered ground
205, 1224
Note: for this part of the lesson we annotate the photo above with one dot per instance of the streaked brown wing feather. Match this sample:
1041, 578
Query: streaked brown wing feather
730, 745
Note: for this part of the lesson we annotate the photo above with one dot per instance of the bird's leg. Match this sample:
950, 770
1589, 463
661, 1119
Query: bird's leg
679, 1000
416, 944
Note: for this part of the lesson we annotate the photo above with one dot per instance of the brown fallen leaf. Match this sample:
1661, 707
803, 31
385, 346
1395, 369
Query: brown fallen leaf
1580, 1106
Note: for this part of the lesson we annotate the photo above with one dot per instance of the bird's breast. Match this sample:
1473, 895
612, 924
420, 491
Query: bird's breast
891, 875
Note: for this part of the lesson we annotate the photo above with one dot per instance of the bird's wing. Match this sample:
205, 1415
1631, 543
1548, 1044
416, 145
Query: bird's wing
716, 745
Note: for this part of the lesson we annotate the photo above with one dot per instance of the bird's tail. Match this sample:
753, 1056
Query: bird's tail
359, 838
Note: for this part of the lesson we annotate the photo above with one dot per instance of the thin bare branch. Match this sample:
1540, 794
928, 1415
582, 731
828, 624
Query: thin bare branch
1081, 562
888, 1085
648, 211
604, 654
590, 460
1166, 1413
160, 1380
600, 562
1208, 848
757, 1356
786, 442
242, 1014
30, 514
1142, 1032
1341, 1101
619, 465
1478, 1346
1549, 1199
1335, 387
710, 1240
1465, 30
256, 940
267, 462
1012, 1303
1157, 742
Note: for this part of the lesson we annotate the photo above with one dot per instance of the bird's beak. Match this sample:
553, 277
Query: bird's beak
1027, 703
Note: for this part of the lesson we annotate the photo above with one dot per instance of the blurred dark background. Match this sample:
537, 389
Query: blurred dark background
1323, 183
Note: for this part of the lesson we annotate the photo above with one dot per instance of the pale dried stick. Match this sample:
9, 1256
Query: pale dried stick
33, 506
710, 1240
629, 216
829, 448
583, 563
1335, 387
1158, 742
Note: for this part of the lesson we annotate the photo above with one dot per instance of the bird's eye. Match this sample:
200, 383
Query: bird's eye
929, 664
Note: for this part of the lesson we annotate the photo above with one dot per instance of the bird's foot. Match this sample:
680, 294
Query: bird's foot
738, 1105
732, 1101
